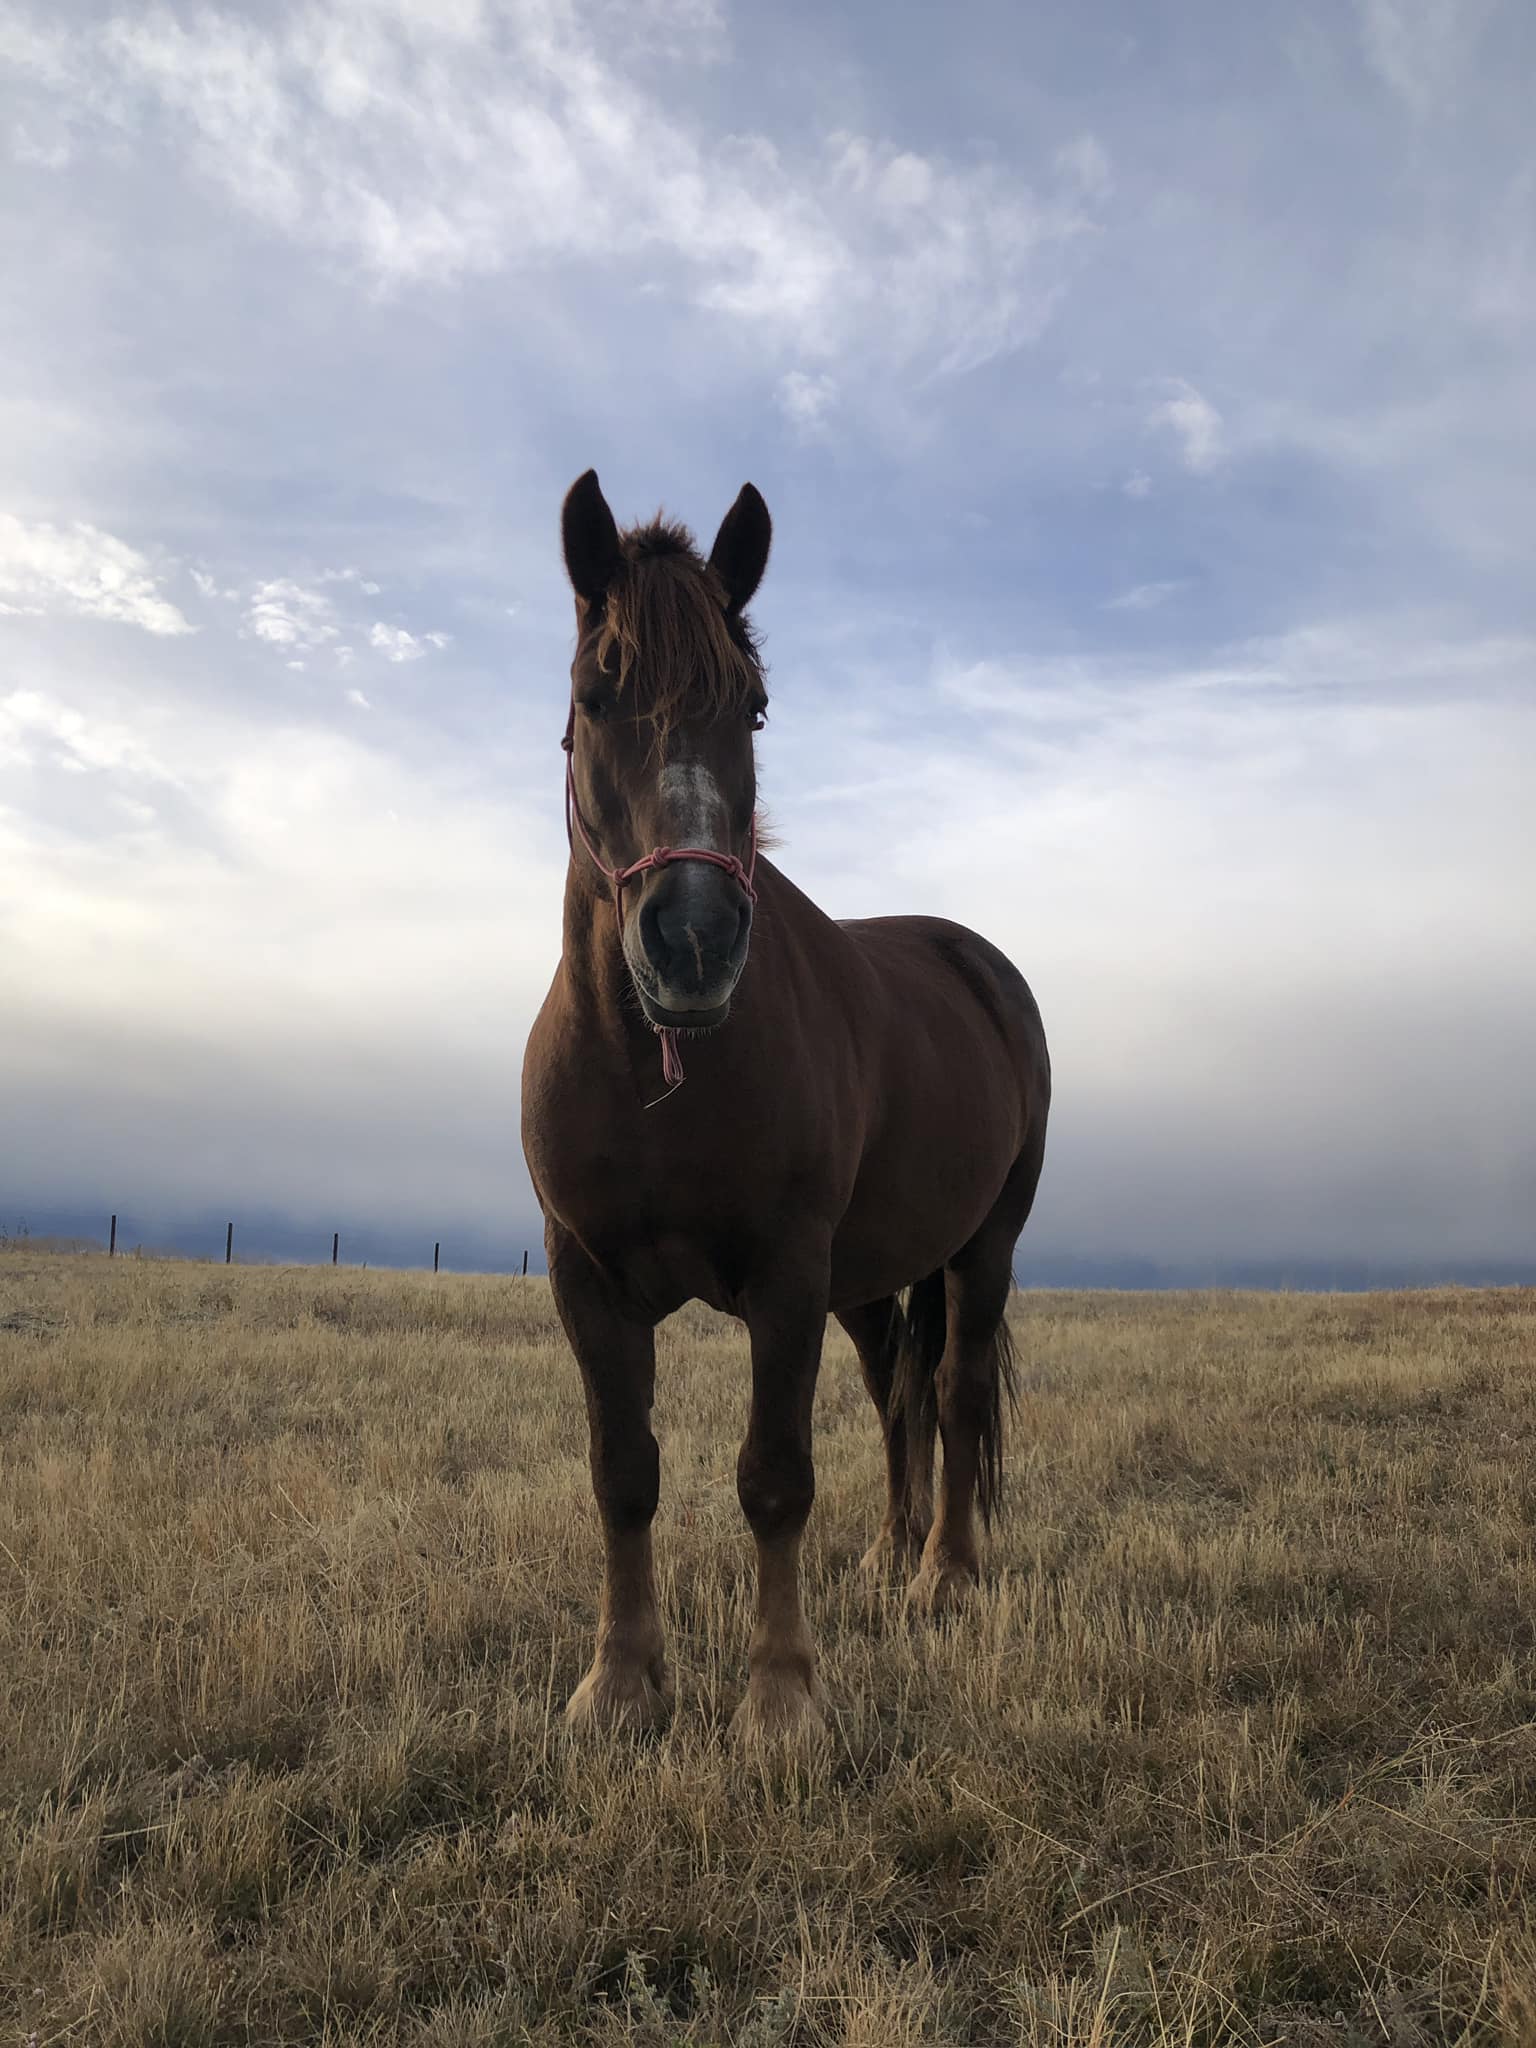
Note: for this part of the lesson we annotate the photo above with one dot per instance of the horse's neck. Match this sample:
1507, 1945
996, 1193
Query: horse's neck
591, 955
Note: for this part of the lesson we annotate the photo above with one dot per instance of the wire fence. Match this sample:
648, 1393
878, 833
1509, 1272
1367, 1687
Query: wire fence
22, 1236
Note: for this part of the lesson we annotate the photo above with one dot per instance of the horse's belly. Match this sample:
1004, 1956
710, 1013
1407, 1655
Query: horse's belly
907, 1218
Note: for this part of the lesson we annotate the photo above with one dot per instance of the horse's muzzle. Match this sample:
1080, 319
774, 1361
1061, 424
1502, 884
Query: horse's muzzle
692, 931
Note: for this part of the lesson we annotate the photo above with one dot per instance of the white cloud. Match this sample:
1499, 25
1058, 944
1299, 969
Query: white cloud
39, 152
357, 698
1419, 47
1085, 163
805, 401
1143, 597
1195, 421
205, 583
286, 614
137, 933
427, 146
77, 740
1137, 485
396, 644
350, 576
80, 570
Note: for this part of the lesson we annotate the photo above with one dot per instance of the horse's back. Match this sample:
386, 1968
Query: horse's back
933, 966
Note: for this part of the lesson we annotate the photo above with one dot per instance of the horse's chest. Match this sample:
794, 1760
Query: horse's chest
663, 1237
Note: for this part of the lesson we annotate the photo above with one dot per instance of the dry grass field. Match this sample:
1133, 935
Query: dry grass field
297, 1567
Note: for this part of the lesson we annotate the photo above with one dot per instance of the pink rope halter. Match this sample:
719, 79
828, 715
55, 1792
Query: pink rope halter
659, 857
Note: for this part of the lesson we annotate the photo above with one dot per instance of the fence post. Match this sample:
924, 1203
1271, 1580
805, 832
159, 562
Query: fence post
229, 1245
435, 1250
112, 1241
335, 1246
525, 1265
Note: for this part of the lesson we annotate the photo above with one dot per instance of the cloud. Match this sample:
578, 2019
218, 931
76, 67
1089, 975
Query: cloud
221, 896
396, 644
428, 146
805, 401
1211, 871
1143, 597
1085, 163
37, 724
1220, 878
43, 153
298, 619
1419, 48
286, 614
1196, 423
80, 570
350, 576
547, 231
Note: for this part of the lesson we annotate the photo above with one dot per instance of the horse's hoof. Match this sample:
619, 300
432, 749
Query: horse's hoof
895, 1548
614, 1698
940, 1589
780, 1709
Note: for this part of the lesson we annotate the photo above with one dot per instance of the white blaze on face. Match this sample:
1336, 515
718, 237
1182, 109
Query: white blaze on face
693, 806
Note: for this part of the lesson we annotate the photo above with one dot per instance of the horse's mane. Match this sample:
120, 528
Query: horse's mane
667, 613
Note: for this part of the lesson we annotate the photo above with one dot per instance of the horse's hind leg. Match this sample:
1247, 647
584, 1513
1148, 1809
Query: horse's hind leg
974, 1376
629, 1683
876, 1333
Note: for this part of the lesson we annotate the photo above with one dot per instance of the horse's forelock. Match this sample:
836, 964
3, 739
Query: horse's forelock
667, 609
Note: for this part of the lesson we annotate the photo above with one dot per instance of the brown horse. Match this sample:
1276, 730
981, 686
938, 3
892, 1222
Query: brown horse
864, 1112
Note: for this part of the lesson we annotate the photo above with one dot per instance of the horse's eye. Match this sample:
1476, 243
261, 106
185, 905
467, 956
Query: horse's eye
757, 718
595, 708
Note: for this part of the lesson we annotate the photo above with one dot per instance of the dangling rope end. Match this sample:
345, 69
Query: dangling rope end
671, 1066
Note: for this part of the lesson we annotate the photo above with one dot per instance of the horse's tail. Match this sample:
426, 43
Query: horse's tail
914, 1390
919, 1347
1000, 1379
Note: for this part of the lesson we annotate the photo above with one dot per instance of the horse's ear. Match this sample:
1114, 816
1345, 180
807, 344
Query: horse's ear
740, 553
590, 538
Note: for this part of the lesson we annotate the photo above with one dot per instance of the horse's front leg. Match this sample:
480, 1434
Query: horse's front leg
776, 1483
629, 1683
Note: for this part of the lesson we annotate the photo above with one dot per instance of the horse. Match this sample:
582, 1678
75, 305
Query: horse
729, 1097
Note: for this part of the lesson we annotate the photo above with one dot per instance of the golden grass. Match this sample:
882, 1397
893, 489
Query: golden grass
297, 1568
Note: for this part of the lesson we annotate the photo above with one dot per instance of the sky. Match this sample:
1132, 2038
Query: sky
1145, 401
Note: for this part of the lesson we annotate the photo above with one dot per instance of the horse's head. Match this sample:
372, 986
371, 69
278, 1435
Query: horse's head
667, 691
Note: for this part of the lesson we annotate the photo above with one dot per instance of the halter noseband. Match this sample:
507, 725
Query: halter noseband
659, 857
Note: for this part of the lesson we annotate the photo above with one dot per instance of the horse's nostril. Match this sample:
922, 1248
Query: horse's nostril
653, 940
690, 934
